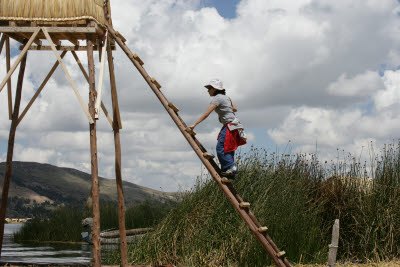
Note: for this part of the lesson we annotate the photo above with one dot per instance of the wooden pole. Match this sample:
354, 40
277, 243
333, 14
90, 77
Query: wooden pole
333, 247
39, 90
3, 39
10, 151
8, 63
93, 153
118, 176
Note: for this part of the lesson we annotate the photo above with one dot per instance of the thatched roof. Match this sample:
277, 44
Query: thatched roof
59, 11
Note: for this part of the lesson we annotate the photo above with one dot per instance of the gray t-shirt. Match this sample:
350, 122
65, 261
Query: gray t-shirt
224, 108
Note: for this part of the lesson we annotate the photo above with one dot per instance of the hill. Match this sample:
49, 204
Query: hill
36, 187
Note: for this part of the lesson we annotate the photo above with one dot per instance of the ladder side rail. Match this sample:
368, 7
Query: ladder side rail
198, 150
257, 223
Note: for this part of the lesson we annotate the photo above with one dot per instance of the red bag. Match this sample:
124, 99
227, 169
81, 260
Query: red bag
232, 140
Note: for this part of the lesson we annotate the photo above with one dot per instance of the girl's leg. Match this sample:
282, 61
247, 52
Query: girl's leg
226, 159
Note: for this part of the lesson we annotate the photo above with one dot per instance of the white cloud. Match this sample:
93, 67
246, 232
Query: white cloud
361, 85
352, 129
306, 70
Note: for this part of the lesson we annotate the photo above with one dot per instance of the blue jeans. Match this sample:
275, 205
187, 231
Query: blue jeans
227, 160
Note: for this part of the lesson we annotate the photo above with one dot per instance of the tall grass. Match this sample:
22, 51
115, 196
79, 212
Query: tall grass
291, 196
64, 224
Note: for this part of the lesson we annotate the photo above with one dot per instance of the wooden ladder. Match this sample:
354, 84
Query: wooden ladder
242, 207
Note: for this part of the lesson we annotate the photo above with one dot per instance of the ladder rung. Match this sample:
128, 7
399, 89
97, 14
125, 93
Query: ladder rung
173, 107
280, 254
244, 204
208, 155
262, 229
135, 56
155, 83
120, 37
226, 180
190, 131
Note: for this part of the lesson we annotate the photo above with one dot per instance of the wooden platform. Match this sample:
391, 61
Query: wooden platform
66, 37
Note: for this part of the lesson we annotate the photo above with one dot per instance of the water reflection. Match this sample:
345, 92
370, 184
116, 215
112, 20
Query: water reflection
42, 253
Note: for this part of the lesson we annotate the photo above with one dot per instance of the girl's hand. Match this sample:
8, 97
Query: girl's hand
192, 127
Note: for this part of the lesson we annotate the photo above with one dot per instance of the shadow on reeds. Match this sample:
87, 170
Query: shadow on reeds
293, 197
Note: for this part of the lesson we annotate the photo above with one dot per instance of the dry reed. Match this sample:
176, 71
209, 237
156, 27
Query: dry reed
59, 11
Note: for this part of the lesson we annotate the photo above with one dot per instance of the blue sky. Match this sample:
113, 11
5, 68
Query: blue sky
226, 8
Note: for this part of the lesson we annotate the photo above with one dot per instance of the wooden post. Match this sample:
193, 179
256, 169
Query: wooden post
8, 63
333, 247
3, 39
10, 151
118, 176
93, 153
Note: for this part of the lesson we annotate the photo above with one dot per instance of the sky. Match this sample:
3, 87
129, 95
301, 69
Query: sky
313, 75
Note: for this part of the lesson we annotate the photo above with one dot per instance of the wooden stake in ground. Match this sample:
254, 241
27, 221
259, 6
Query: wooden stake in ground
93, 153
118, 176
333, 247
10, 150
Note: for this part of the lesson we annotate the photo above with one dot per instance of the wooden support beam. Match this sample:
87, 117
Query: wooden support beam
80, 65
15, 29
93, 153
39, 90
15, 65
36, 41
3, 39
59, 48
68, 76
101, 77
103, 107
208, 155
171, 105
10, 150
113, 86
9, 89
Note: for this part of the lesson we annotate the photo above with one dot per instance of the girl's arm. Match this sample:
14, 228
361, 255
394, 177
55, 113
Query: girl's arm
210, 109
234, 108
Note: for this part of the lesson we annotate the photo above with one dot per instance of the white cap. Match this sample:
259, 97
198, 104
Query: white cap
215, 83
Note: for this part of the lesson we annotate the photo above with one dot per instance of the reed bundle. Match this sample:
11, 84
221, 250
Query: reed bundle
59, 11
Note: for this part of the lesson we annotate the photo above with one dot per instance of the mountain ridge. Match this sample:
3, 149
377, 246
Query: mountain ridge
43, 183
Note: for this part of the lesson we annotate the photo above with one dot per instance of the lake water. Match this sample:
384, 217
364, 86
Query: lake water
43, 253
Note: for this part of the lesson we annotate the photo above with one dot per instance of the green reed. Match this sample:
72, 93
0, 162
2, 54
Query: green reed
291, 195
64, 223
